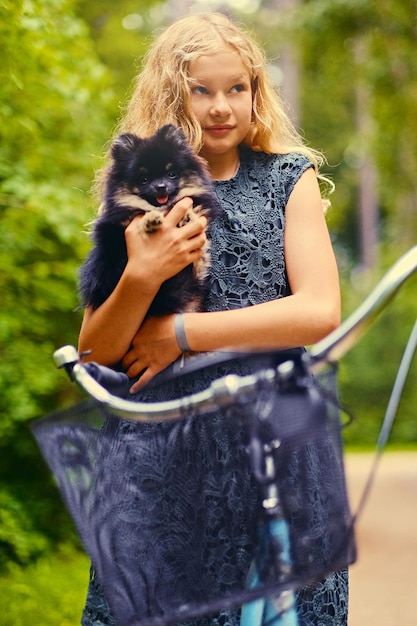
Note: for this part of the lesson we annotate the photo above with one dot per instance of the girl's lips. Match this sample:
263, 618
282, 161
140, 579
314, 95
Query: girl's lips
219, 130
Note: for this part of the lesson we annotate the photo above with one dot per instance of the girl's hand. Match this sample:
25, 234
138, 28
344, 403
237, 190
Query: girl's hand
159, 255
153, 348
152, 259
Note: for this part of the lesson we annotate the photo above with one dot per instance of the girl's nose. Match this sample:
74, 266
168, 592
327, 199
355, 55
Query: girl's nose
220, 106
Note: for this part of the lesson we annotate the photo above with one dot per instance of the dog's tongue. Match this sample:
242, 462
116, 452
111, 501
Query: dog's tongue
162, 199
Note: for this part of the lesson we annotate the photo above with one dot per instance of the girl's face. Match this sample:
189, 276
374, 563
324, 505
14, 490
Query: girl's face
221, 99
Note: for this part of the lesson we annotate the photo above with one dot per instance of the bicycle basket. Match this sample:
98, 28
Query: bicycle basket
171, 512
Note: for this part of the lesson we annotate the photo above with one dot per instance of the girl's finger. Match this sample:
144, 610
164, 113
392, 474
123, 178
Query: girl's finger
145, 378
133, 224
195, 229
128, 359
178, 211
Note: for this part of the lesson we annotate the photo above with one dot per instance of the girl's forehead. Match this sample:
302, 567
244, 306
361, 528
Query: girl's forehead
225, 60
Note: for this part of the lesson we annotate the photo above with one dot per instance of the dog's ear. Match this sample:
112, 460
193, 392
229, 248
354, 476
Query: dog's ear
124, 145
173, 134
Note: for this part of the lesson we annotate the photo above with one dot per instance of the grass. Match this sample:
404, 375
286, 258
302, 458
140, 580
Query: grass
50, 592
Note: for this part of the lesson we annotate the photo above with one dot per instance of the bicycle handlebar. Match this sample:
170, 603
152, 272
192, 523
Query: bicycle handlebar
224, 391
220, 393
333, 347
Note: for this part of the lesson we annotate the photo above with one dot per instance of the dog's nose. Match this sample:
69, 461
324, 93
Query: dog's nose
161, 194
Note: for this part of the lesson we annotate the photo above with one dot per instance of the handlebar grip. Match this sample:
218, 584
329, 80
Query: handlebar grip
116, 383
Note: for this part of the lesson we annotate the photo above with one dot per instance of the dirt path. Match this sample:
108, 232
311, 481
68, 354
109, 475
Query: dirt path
383, 582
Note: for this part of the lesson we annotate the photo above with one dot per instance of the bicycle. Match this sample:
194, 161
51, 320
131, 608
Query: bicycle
80, 447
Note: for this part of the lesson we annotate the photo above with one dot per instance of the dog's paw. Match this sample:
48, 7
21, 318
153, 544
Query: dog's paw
152, 221
190, 216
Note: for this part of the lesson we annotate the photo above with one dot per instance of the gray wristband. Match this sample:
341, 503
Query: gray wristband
180, 333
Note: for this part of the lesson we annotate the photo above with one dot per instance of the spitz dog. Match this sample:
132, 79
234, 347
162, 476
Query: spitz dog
147, 176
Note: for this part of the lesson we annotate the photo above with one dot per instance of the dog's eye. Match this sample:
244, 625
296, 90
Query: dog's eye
172, 174
142, 175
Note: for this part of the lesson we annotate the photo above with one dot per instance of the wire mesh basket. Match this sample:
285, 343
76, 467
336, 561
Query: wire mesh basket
174, 514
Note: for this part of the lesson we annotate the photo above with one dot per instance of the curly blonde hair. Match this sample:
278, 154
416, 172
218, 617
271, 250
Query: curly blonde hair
161, 92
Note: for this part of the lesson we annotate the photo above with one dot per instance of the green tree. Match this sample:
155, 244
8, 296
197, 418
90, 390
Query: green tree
55, 99
120, 31
66, 66
345, 45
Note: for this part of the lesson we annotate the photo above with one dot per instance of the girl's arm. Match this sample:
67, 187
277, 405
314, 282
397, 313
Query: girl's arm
307, 315
313, 309
108, 330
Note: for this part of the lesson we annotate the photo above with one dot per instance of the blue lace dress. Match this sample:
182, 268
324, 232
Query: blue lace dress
198, 475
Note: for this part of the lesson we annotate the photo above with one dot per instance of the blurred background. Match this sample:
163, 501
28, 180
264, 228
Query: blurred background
348, 71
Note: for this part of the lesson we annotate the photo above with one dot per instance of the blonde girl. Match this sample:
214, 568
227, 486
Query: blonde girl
274, 283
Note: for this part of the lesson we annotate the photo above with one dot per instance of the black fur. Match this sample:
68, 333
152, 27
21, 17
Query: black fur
148, 176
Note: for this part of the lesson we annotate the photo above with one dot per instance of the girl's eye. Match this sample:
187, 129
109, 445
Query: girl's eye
199, 90
238, 88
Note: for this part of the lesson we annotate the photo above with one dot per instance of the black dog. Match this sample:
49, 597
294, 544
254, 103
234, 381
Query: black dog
148, 176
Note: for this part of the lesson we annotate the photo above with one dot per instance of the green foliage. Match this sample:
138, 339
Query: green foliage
52, 126
17, 535
349, 45
50, 592
120, 31
367, 373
